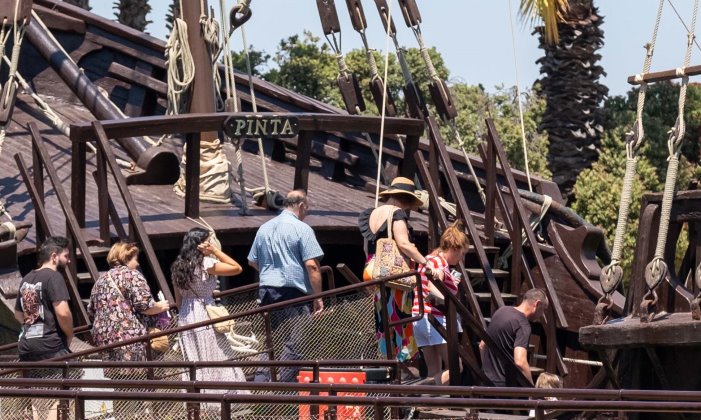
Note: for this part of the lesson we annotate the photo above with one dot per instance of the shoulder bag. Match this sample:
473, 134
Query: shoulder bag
390, 261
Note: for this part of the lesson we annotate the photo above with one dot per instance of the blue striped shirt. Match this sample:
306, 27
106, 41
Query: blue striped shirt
281, 247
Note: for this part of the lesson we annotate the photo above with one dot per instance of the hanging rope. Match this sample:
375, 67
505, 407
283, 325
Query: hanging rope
440, 92
503, 260
231, 103
181, 66
382, 112
518, 100
612, 274
656, 269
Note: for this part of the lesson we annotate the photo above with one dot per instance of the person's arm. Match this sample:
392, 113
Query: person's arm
400, 234
157, 308
178, 297
254, 265
521, 360
64, 318
19, 316
225, 266
314, 271
483, 350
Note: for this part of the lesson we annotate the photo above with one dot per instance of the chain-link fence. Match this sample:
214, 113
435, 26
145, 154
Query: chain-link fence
345, 329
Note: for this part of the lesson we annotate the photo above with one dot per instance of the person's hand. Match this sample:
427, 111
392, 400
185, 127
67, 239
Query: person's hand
162, 305
437, 273
205, 248
318, 306
69, 340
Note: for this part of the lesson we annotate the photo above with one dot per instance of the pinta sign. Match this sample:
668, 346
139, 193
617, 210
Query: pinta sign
262, 126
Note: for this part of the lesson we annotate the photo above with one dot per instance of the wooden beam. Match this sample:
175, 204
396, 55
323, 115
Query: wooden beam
660, 76
135, 77
192, 175
304, 151
190, 123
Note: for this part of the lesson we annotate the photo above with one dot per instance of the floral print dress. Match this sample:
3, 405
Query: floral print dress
117, 312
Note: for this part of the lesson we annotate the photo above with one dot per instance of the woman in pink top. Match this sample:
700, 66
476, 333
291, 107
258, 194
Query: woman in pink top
453, 246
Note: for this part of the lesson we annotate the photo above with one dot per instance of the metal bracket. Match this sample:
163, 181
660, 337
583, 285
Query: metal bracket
238, 18
602, 312
648, 307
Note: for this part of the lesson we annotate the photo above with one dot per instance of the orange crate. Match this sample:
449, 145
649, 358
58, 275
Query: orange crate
337, 377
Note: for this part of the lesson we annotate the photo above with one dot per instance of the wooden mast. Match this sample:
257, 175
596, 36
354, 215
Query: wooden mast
201, 101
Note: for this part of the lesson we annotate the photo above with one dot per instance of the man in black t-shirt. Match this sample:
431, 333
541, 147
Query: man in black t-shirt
42, 305
510, 331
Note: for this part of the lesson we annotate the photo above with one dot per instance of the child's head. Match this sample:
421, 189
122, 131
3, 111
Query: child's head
454, 243
548, 380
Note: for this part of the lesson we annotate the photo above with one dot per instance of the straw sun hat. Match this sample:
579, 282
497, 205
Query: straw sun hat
403, 187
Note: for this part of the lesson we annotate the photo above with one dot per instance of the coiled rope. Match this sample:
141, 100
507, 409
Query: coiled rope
181, 66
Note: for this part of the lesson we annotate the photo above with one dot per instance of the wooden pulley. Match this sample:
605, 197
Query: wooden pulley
9, 89
442, 99
383, 8
350, 91
357, 15
376, 88
7, 11
415, 101
410, 11
329, 16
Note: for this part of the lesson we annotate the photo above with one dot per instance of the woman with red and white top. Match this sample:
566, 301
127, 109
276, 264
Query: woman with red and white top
453, 246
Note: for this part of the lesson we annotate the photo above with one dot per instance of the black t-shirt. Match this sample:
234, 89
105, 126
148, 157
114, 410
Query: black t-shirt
509, 329
382, 232
40, 332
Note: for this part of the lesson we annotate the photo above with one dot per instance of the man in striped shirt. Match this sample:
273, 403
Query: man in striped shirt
286, 254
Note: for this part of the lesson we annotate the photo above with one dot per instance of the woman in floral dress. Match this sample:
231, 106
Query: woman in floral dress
194, 277
118, 298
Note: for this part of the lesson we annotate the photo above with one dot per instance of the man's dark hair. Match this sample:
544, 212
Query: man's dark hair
536, 294
52, 244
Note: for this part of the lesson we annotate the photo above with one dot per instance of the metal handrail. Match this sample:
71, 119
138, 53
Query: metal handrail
256, 311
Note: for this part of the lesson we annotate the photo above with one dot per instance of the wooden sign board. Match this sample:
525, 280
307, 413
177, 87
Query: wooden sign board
262, 126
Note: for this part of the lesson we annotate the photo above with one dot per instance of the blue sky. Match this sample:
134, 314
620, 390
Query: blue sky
474, 36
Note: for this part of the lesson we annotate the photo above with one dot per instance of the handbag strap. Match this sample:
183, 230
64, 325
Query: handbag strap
112, 282
390, 217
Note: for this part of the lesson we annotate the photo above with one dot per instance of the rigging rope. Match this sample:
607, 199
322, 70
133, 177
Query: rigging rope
8, 90
181, 66
231, 104
382, 112
612, 274
656, 269
441, 87
518, 100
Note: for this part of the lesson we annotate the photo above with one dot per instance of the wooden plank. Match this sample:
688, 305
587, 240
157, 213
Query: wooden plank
676, 329
170, 124
60, 21
324, 151
78, 162
659, 76
138, 78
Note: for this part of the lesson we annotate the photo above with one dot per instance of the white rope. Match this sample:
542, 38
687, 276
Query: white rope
181, 66
674, 143
633, 143
384, 105
231, 104
518, 100
535, 223
9, 88
254, 105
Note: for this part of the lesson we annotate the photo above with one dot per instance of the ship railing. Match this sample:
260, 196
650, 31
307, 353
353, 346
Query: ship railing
545, 402
354, 290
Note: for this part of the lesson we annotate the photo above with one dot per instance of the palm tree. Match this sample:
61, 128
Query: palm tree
173, 12
570, 38
133, 13
85, 4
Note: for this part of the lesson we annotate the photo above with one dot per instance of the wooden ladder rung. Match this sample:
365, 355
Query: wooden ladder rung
478, 273
484, 296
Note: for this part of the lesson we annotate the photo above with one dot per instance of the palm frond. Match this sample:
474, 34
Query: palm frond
547, 12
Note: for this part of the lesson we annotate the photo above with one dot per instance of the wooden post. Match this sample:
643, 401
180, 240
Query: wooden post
192, 175
408, 165
491, 186
78, 160
304, 152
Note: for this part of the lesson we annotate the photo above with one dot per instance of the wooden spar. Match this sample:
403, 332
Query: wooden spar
161, 165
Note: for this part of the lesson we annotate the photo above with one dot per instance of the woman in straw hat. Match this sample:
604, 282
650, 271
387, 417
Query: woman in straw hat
400, 199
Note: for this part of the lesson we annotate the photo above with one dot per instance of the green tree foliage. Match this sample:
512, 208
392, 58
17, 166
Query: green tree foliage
259, 60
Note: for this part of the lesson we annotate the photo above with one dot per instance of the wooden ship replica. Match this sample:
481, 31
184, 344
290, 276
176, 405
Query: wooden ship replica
93, 146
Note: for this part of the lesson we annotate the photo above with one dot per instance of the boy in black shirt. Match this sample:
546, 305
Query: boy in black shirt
42, 305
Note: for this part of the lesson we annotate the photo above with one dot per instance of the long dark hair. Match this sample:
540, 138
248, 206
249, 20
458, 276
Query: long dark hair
189, 259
